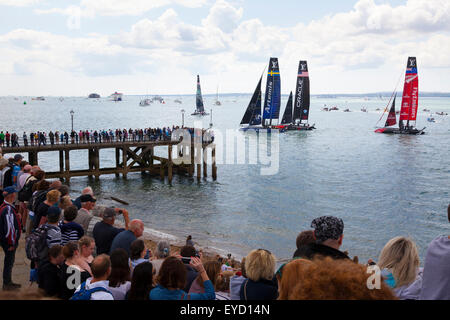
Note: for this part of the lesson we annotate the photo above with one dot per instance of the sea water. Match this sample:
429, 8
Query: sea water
382, 186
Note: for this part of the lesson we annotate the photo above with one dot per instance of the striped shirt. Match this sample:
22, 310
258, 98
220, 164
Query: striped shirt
70, 231
53, 236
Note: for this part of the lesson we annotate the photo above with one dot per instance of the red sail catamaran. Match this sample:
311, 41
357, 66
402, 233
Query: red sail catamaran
410, 103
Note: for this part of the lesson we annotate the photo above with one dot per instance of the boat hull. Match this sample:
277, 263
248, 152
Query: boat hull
293, 127
200, 113
412, 131
257, 129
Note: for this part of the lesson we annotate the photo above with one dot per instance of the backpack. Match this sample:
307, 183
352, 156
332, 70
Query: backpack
85, 294
36, 243
37, 199
26, 192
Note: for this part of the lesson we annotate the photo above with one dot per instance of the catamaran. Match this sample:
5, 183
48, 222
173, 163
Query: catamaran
296, 116
410, 99
217, 102
199, 107
252, 119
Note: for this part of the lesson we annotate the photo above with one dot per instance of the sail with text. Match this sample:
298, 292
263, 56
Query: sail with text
199, 98
391, 119
272, 98
302, 95
410, 97
287, 116
252, 115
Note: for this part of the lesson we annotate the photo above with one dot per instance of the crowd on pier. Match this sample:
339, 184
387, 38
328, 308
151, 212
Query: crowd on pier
73, 257
42, 138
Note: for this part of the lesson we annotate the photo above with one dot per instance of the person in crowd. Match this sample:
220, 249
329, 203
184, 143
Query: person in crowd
329, 234
87, 247
49, 272
325, 278
187, 252
52, 198
261, 282
399, 262
16, 169
436, 276
222, 286
98, 210
26, 174
125, 238
189, 241
10, 231
64, 191
6, 179
22, 165
70, 230
104, 231
172, 280
72, 270
24, 178
162, 251
212, 268
84, 215
101, 270
141, 282
236, 282
64, 203
53, 231
138, 251
119, 281
304, 238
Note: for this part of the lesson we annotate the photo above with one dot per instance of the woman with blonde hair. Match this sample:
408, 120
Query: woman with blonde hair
87, 246
399, 261
261, 283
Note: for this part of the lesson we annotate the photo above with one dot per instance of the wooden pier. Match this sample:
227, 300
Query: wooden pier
130, 156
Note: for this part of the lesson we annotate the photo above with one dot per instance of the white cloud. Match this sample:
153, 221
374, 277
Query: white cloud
223, 16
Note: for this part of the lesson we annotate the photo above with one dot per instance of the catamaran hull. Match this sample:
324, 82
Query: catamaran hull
200, 114
413, 131
257, 129
295, 127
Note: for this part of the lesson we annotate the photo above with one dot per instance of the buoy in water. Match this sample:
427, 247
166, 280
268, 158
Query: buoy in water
24, 102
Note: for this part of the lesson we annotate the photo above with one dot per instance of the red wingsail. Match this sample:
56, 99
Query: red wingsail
410, 92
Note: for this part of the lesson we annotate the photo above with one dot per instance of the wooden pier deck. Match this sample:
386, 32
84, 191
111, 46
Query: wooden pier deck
130, 156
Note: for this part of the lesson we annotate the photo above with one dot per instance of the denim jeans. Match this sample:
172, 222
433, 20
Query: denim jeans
8, 264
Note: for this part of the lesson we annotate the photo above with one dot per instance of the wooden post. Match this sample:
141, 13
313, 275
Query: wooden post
91, 162
61, 162
205, 157
67, 165
213, 160
191, 165
117, 162
162, 171
170, 164
33, 158
125, 160
97, 163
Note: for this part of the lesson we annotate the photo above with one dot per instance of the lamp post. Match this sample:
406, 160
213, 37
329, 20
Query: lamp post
210, 121
182, 118
71, 116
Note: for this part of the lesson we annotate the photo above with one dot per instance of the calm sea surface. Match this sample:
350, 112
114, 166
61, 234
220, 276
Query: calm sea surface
382, 186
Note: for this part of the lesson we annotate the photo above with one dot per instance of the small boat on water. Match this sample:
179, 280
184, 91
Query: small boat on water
145, 102
116, 96
296, 115
199, 107
410, 99
363, 109
178, 101
431, 118
158, 99
94, 96
217, 102
333, 109
442, 113
347, 110
426, 110
38, 98
325, 109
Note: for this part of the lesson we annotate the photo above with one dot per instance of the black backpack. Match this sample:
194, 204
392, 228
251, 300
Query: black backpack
36, 243
37, 199
26, 192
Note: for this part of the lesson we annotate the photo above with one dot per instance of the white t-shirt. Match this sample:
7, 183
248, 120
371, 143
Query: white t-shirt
119, 292
99, 295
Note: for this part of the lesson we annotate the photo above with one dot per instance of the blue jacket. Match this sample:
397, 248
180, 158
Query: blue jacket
161, 293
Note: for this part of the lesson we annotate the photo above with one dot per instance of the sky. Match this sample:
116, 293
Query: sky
76, 47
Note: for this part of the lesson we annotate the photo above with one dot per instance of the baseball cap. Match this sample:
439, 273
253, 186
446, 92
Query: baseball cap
18, 157
327, 227
87, 198
9, 190
109, 213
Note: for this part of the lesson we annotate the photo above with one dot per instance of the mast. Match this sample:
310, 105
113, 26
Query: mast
391, 119
272, 99
302, 95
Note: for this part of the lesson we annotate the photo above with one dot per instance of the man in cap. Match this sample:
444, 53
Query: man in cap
328, 235
104, 231
16, 168
10, 231
84, 215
